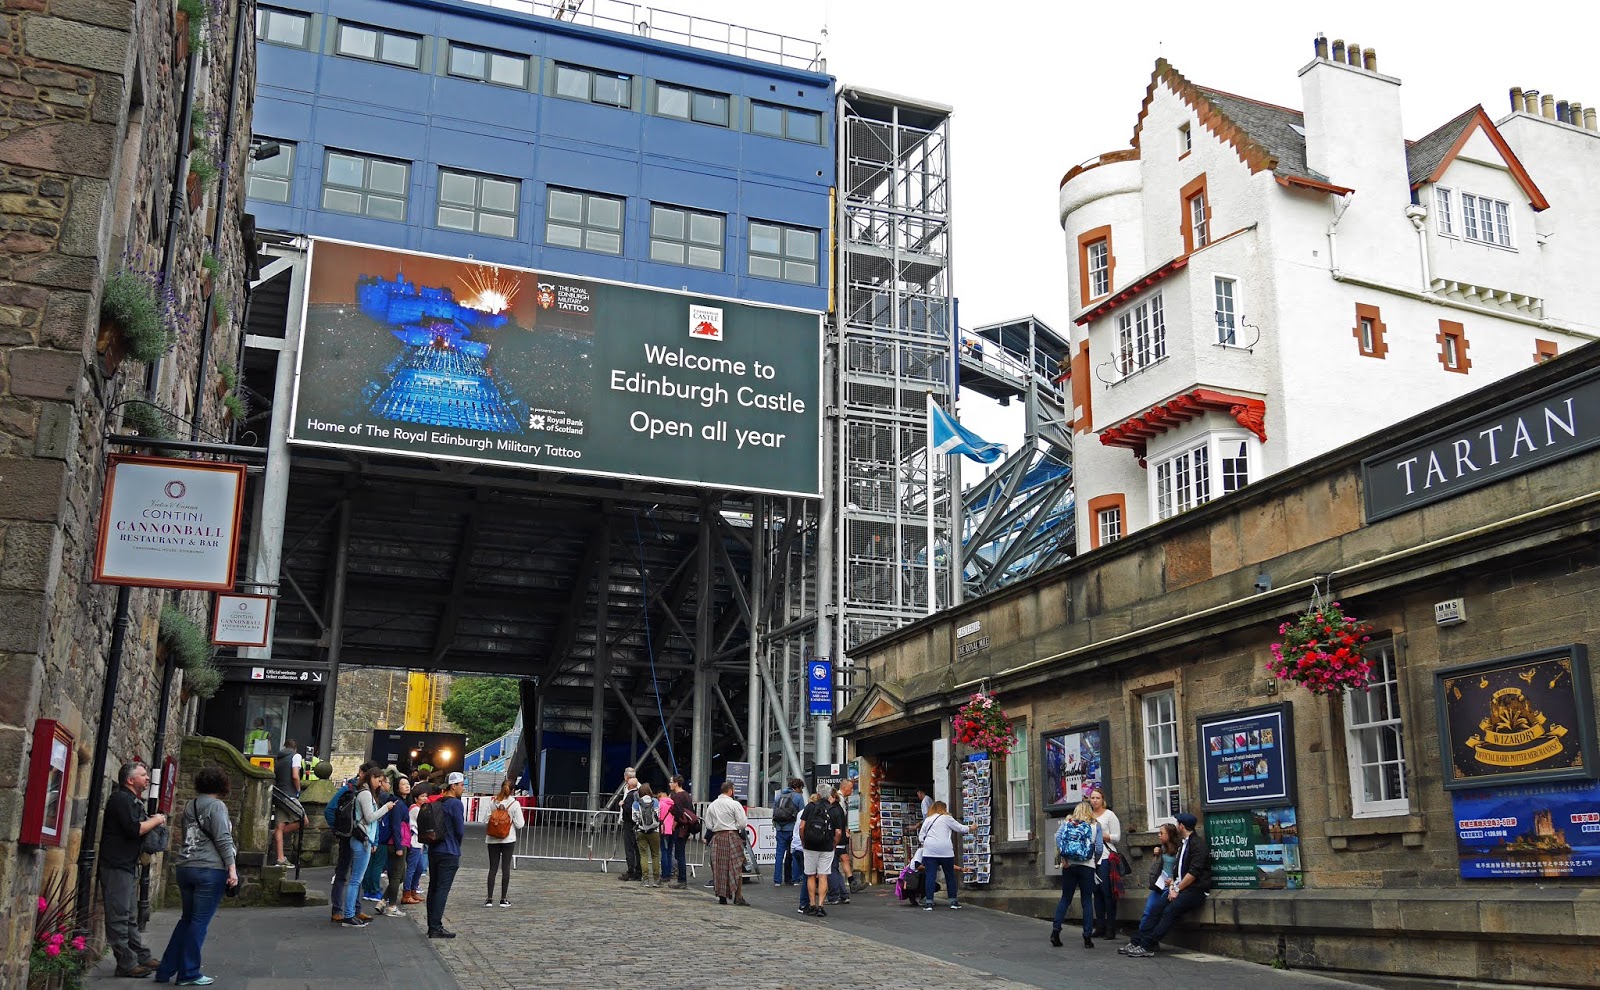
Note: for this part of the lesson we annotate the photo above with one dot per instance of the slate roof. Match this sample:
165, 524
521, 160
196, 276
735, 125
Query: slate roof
1427, 153
1272, 127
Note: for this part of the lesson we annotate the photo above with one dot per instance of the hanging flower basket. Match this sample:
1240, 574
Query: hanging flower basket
1323, 650
982, 724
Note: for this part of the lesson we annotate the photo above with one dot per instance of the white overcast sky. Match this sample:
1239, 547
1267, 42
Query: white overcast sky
1037, 86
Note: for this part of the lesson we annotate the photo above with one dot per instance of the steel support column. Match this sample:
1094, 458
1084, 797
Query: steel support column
758, 588
602, 663
700, 761
335, 633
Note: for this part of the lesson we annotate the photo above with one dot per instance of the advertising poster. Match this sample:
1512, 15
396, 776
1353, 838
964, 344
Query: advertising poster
170, 523
1529, 832
1247, 758
435, 357
1517, 719
1073, 764
1254, 849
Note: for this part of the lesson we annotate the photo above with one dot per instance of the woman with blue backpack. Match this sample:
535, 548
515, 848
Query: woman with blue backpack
1079, 844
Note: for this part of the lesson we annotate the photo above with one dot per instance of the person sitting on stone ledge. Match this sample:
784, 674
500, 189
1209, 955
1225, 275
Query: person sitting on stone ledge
1187, 892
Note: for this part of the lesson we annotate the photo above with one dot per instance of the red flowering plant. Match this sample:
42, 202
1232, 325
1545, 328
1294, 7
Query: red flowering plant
1323, 650
60, 955
982, 724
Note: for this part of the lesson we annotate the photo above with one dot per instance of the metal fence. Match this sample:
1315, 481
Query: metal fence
576, 835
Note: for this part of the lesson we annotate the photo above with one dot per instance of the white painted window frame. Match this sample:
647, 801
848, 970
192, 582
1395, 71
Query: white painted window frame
1217, 281
1019, 794
1109, 523
1162, 749
1444, 209
1386, 666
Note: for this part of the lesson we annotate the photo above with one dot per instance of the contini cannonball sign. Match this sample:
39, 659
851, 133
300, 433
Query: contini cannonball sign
170, 523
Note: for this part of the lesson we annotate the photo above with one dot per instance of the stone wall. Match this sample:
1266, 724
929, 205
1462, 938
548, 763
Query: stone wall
90, 135
1177, 607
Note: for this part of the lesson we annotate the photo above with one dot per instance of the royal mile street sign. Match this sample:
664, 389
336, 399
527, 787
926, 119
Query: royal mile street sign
1538, 429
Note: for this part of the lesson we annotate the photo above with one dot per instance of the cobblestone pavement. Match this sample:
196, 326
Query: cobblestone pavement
586, 929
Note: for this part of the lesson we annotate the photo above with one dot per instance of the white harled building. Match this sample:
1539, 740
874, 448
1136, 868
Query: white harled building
1253, 286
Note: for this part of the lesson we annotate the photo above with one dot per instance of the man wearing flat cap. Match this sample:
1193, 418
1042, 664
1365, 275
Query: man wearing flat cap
1187, 892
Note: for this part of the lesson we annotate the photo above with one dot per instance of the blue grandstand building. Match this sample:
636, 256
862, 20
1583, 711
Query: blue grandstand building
465, 130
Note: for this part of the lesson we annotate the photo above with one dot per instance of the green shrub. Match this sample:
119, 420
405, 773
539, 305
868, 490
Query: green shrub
147, 419
210, 263
230, 377
203, 681
184, 639
236, 406
205, 168
132, 300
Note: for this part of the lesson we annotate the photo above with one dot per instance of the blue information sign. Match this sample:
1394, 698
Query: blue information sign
1247, 758
820, 679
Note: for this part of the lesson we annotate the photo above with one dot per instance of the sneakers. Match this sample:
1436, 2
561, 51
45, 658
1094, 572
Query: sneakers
803, 909
505, 903
955, 905
1139, 952
198, 981
355, 922
928, 906
393, 912
820, 913
488, 903
440, 933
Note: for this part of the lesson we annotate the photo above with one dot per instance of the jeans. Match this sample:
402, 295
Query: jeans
121, 891
677, 845
930, 866
837, 889
787, 865
372, 881
416, 866
201, 891
341, 876
443, 866
1105, 900
1153, 930
666, 856
1152, 904
1080, 879
500, 860
360, 856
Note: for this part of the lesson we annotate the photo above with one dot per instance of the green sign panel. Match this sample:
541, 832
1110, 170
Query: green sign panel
1254, 848
436, 357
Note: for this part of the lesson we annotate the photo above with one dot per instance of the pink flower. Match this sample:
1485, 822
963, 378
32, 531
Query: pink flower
80, 944
52, 950
43, 904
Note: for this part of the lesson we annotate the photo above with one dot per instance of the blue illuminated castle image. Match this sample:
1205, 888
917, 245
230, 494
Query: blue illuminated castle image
439, 378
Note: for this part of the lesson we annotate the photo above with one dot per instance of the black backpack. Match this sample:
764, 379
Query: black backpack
817, 835
787, 810
430, 829
344, 814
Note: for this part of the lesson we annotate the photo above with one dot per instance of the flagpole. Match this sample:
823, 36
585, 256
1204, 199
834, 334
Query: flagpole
933, 605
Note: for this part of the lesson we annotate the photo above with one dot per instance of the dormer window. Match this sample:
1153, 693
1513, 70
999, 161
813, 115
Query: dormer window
1486, 220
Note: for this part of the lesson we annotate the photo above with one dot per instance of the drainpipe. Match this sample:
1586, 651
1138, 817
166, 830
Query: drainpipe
1333, 234
1418, 215
216, 226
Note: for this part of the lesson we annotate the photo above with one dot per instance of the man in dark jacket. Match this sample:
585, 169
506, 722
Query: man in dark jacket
787, 867
121, 835
444, 856
1187, 892
630, 834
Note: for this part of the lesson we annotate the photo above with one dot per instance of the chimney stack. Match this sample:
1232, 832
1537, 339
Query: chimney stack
1320, 46
1547, 106
1372, 60
1338, 49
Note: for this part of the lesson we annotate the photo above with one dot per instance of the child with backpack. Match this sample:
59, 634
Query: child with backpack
1079, 846
500, 833
647, 825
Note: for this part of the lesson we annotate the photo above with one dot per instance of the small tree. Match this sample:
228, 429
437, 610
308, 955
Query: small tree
482, 707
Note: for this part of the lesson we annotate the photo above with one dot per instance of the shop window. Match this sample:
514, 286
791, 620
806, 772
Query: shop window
1375, 740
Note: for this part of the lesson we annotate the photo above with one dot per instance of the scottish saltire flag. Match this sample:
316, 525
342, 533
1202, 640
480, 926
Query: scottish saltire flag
950, 437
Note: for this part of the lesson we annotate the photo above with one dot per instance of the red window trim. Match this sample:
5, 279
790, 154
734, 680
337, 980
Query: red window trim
1544, 350
1380, 347
1116, 500
1450, 328
1088, 237
1194, 187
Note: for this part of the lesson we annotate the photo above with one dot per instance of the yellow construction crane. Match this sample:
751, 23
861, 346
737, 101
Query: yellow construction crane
424, 696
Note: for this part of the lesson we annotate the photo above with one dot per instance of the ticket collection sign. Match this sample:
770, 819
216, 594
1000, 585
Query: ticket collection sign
170, 523
423, 356
1247, 758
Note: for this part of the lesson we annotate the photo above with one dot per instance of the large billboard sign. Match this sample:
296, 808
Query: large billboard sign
435, 357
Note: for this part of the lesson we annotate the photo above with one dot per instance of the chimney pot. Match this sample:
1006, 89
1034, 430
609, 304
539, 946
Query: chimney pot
1354, 52
1575, 114
1547, 106
1562, 110
1589, 121
1320, 46
1371, 57
1516, 99
1531, 97
1338, 49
